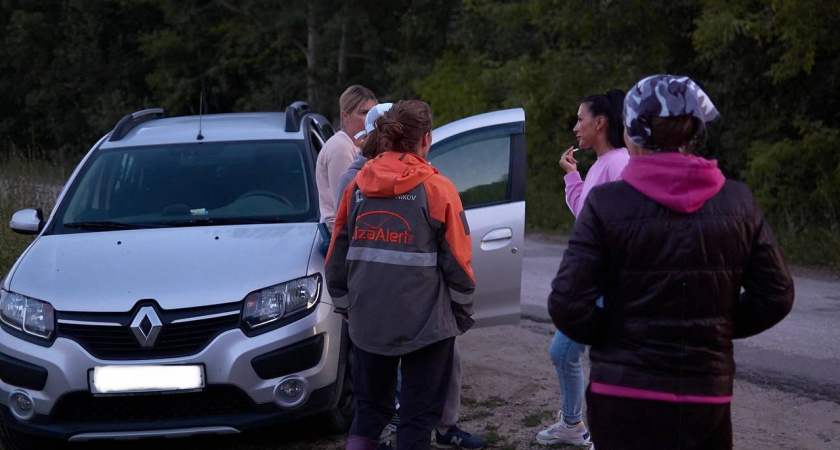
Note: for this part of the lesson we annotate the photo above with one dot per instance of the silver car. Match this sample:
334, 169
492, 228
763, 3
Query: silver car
177, 287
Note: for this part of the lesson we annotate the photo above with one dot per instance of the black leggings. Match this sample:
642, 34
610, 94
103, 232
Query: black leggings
425, 382
629, 424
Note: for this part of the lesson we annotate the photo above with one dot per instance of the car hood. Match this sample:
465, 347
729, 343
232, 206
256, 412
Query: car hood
177, 267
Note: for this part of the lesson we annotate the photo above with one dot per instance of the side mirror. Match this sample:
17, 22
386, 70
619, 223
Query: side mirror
27, 221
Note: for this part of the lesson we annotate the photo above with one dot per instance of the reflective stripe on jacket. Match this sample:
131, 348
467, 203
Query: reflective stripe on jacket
401, 243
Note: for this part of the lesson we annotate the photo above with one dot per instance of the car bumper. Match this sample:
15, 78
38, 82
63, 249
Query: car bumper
231, 423
235, 395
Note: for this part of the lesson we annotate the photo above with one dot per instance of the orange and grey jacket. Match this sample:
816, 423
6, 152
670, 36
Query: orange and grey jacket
399, 260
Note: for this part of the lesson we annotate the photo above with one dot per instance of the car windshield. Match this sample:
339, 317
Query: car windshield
221, 183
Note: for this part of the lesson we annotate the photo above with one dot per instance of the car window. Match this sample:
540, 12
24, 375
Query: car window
478, 164
316, 137
180, 185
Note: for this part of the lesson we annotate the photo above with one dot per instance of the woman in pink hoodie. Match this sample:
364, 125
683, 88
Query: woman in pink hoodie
599, 127
669, 249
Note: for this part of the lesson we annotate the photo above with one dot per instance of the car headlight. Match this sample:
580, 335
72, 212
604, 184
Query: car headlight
281, 300
26, 314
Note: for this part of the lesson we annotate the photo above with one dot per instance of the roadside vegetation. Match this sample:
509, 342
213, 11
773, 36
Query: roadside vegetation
26, 181
72, 68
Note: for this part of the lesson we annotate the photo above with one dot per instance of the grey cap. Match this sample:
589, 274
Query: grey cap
663, 96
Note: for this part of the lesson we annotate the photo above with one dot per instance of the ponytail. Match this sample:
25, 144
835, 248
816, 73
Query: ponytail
609, 105
400, 129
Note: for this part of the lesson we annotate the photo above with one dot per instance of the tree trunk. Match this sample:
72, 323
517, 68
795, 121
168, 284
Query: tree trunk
341, 76
312, 95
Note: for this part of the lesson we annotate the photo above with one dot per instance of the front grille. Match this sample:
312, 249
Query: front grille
82, 407
175, 339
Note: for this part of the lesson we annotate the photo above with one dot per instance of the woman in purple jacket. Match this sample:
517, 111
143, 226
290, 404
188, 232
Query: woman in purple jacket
599, 127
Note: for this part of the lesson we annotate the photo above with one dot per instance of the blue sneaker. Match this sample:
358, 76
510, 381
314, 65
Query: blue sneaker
390, 429
458, 438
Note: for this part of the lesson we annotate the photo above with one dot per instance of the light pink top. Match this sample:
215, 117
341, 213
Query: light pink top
333, 160
607, 168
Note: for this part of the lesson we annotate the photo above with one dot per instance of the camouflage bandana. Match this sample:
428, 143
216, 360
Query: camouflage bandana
663, 96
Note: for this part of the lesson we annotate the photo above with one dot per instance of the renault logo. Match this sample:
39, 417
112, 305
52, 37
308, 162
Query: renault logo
146, 326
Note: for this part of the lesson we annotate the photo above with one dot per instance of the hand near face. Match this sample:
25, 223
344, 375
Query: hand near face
567, 161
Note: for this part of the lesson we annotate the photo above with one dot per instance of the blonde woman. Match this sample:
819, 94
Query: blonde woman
340, 150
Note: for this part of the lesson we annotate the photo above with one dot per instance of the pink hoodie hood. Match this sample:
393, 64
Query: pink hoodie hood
682, 183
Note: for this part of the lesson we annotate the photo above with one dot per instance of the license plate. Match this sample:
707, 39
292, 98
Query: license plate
145, 379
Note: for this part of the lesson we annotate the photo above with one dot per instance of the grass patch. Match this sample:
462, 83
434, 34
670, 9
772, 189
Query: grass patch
493, 402
492, 434
482, 409
810, 246
17, 194
11, 244
468, 401
24, 183
535, 419
476, 415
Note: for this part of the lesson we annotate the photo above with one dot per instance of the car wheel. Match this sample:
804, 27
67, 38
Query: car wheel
11, 439
339, 418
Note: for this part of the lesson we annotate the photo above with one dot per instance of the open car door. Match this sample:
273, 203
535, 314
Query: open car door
484, 156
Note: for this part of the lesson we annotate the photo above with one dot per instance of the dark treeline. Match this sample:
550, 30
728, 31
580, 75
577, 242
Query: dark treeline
71, 68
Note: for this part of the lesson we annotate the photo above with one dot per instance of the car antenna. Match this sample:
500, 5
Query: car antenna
200, 137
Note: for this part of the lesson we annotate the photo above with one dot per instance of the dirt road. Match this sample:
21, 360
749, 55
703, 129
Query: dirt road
510, 389
511, 364
510, 393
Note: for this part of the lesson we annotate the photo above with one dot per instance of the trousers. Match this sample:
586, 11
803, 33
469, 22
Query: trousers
426, 376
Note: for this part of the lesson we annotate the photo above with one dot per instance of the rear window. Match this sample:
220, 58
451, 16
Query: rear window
190, 185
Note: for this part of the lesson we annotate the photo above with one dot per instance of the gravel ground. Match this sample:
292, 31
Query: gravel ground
510, 393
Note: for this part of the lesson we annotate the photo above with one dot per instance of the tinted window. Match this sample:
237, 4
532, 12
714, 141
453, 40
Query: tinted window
478, 164
185, 184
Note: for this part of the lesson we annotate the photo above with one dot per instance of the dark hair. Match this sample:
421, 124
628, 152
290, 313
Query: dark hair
400, 129
682, 134
609, 105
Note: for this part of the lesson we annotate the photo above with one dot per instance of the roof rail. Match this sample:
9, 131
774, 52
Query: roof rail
294, 115
132, 120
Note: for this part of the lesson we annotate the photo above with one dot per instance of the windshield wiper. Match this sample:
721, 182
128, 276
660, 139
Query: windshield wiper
220, 221
106, 226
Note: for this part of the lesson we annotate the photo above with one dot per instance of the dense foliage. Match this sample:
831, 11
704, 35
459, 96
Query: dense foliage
71, 68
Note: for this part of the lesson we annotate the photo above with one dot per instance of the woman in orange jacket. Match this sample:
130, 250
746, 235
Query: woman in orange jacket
399, 268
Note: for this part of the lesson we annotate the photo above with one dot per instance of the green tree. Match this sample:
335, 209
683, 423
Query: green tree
772, 69
71, 68
547, 55
58, 55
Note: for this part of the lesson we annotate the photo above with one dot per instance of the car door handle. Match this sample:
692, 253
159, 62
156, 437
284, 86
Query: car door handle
496, 239
497, 235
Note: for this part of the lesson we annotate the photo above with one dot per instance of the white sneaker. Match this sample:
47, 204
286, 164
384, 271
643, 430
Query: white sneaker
562, 433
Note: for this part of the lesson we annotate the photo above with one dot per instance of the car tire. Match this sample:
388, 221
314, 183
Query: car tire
340, 417
11, 439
